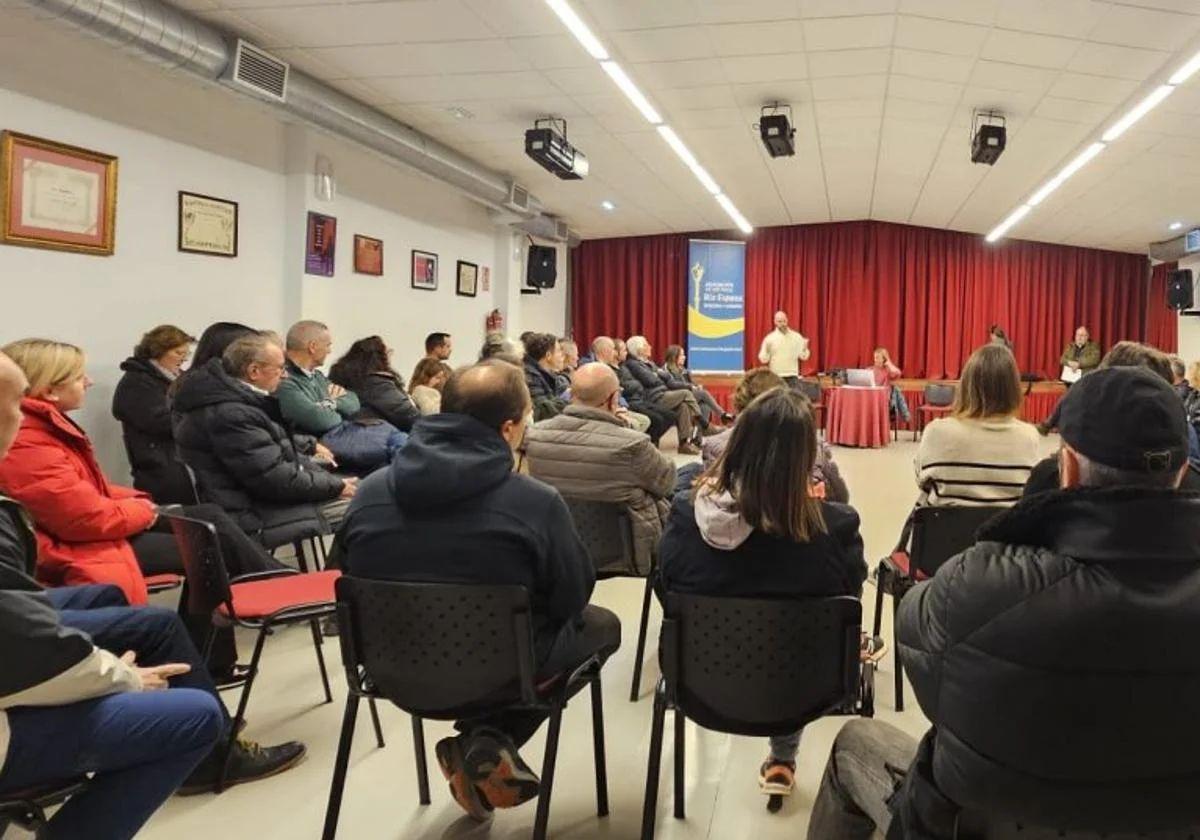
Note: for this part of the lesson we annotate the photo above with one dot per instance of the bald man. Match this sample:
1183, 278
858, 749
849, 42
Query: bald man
783, 349
589, 452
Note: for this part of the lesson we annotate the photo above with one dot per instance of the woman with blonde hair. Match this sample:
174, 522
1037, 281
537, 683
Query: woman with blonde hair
982, 453
426, 384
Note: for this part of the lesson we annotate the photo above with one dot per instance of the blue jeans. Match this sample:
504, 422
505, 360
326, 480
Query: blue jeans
140, 745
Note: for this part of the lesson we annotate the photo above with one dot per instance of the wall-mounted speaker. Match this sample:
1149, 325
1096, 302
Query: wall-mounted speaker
1180, 289
541, 270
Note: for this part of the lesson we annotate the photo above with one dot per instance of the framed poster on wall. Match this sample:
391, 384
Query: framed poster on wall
424, 270
207, 225
320, 244
468, 279
368, 255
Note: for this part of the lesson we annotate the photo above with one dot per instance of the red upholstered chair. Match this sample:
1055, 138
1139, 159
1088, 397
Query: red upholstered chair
811, 388
262, 601
939, 397
931, 536
163, 582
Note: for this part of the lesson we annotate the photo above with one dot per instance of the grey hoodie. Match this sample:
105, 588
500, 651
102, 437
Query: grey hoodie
721, 525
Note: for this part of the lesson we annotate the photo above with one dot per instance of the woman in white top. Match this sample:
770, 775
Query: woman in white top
981, 454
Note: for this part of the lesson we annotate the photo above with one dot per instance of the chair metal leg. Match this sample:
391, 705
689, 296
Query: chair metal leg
422, 768
301, 560
318, 549
640, 653
679, 757
654, 764
375, 721
542, 820
316, 634
881, 583
598, 748
896, 664
340, 765
236, 723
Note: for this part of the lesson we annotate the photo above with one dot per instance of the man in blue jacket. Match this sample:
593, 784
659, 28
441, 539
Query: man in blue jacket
451, 509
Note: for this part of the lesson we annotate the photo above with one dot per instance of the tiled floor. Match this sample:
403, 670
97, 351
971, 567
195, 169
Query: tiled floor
381, 798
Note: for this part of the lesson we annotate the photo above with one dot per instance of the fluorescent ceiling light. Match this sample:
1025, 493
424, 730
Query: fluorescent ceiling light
1065, 173
1185, 72
1137, 112
608, 205
1013, 217
1175, 225
738, 218
685, 154
631, 91
579, 29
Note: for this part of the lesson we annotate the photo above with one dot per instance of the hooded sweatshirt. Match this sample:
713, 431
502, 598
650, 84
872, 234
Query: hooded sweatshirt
450, 509
708, 549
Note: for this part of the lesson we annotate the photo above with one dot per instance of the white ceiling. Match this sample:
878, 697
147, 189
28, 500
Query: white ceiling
882, 93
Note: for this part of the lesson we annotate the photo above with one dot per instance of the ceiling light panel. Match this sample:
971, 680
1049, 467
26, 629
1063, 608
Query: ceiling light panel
685, 154
1137, 112
579, 29
639, 100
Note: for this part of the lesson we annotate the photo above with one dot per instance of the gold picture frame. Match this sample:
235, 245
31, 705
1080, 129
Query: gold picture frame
57, 196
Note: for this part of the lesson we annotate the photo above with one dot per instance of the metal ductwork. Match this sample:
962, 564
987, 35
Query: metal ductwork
174, 39
1170, 250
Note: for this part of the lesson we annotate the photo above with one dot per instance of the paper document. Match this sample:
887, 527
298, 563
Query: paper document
1070, 376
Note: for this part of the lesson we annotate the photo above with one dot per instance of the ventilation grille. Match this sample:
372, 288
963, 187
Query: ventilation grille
518, 197
260, 72
561, 231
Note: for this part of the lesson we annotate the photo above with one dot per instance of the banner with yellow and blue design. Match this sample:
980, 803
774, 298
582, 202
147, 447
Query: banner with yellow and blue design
716, 305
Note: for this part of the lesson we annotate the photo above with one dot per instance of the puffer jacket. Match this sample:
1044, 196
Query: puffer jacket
141, 404
543, 390
587, 453
83, 522
383, 397
244, 458
1053, 660
647, 376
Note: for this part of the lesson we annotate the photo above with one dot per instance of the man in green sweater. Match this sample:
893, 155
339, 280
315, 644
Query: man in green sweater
1082, 354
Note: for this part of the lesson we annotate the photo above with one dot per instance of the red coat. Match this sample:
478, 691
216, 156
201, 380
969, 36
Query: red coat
83, 522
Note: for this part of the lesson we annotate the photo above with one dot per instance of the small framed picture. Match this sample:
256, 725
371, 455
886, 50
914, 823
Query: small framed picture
368, 255
424, 270
207, 225
320, 245
468, 279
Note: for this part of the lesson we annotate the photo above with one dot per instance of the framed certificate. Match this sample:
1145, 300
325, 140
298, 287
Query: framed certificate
56, 196
424, 270
468, 279
207, 225
368, 255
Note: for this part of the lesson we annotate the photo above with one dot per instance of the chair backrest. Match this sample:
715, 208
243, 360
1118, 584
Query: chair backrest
754, 666
939, 393
438, 650
939, 533
193, 482
975, 827
811, 389
203, 565
607, 533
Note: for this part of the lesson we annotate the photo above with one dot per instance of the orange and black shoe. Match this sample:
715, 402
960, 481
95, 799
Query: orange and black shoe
777, 778
500, 773
462, 786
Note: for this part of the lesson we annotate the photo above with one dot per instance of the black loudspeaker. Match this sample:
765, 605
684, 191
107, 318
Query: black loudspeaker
1180, 289
542, 267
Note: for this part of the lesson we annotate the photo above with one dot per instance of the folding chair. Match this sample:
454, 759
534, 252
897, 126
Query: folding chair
27, 808
939, 398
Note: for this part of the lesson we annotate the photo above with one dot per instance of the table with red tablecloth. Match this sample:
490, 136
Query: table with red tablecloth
857, 416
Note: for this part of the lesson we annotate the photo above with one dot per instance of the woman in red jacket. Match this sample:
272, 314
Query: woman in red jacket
88, 530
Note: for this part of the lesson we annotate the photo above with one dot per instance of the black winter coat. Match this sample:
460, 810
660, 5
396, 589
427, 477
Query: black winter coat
244, 458
647, 376
1054, 661
383, 397
142, 405
543, 390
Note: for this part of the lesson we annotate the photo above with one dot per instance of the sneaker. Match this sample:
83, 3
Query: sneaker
500, 774
249, 762
873, 648
777, 778
688, 449
462, 786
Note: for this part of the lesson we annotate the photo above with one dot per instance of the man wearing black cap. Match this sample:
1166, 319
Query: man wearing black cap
1053, 658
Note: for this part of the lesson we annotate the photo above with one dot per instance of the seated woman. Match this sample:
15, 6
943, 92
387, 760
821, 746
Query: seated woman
886, 373
676, 374
426, 384
753, 528
981, 454
759, 381
366, 369
88, 530
141, 404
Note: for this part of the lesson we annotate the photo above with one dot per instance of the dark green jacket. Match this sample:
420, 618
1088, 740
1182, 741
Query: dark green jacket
305, 404
1088, 356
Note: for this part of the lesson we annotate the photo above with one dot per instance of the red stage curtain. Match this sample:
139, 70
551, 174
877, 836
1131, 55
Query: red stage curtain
927, 295
1162, 322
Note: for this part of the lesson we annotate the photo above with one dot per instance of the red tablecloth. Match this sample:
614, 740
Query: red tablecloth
857, 416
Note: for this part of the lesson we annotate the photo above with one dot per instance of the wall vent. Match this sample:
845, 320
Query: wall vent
259, 72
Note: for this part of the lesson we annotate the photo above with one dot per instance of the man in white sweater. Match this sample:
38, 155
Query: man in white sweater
783, 349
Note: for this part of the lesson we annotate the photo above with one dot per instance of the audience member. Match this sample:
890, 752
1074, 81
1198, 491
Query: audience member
496, 346
982, 453
680, 402
438, 346
543, 359
825, 473
215, 338
783, 349
229, 429
141, 404
886, 373
997, 335
426, 385
676, 375
590, 452
1189, 395
1003, 646
642, 416
753, 528
450, 508
570, 353
366, 370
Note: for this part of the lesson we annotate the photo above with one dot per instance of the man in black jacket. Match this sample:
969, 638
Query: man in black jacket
543, 355
689, 420
451, 509
1048, 657
229, 430
606, 350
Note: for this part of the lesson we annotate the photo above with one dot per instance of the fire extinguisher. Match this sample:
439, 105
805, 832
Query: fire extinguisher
494, 323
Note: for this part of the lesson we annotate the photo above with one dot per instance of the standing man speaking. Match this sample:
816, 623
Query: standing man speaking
783, 350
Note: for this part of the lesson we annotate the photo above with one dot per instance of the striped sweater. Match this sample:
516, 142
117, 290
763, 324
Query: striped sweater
975, 462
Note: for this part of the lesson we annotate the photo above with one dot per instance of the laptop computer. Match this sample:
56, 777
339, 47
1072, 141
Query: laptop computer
860, 378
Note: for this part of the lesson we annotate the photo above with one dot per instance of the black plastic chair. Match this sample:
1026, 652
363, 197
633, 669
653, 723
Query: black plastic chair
754, 666
811, 388
27, 808
930, 537
976, 827
449, 652
607, 533
939, 397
